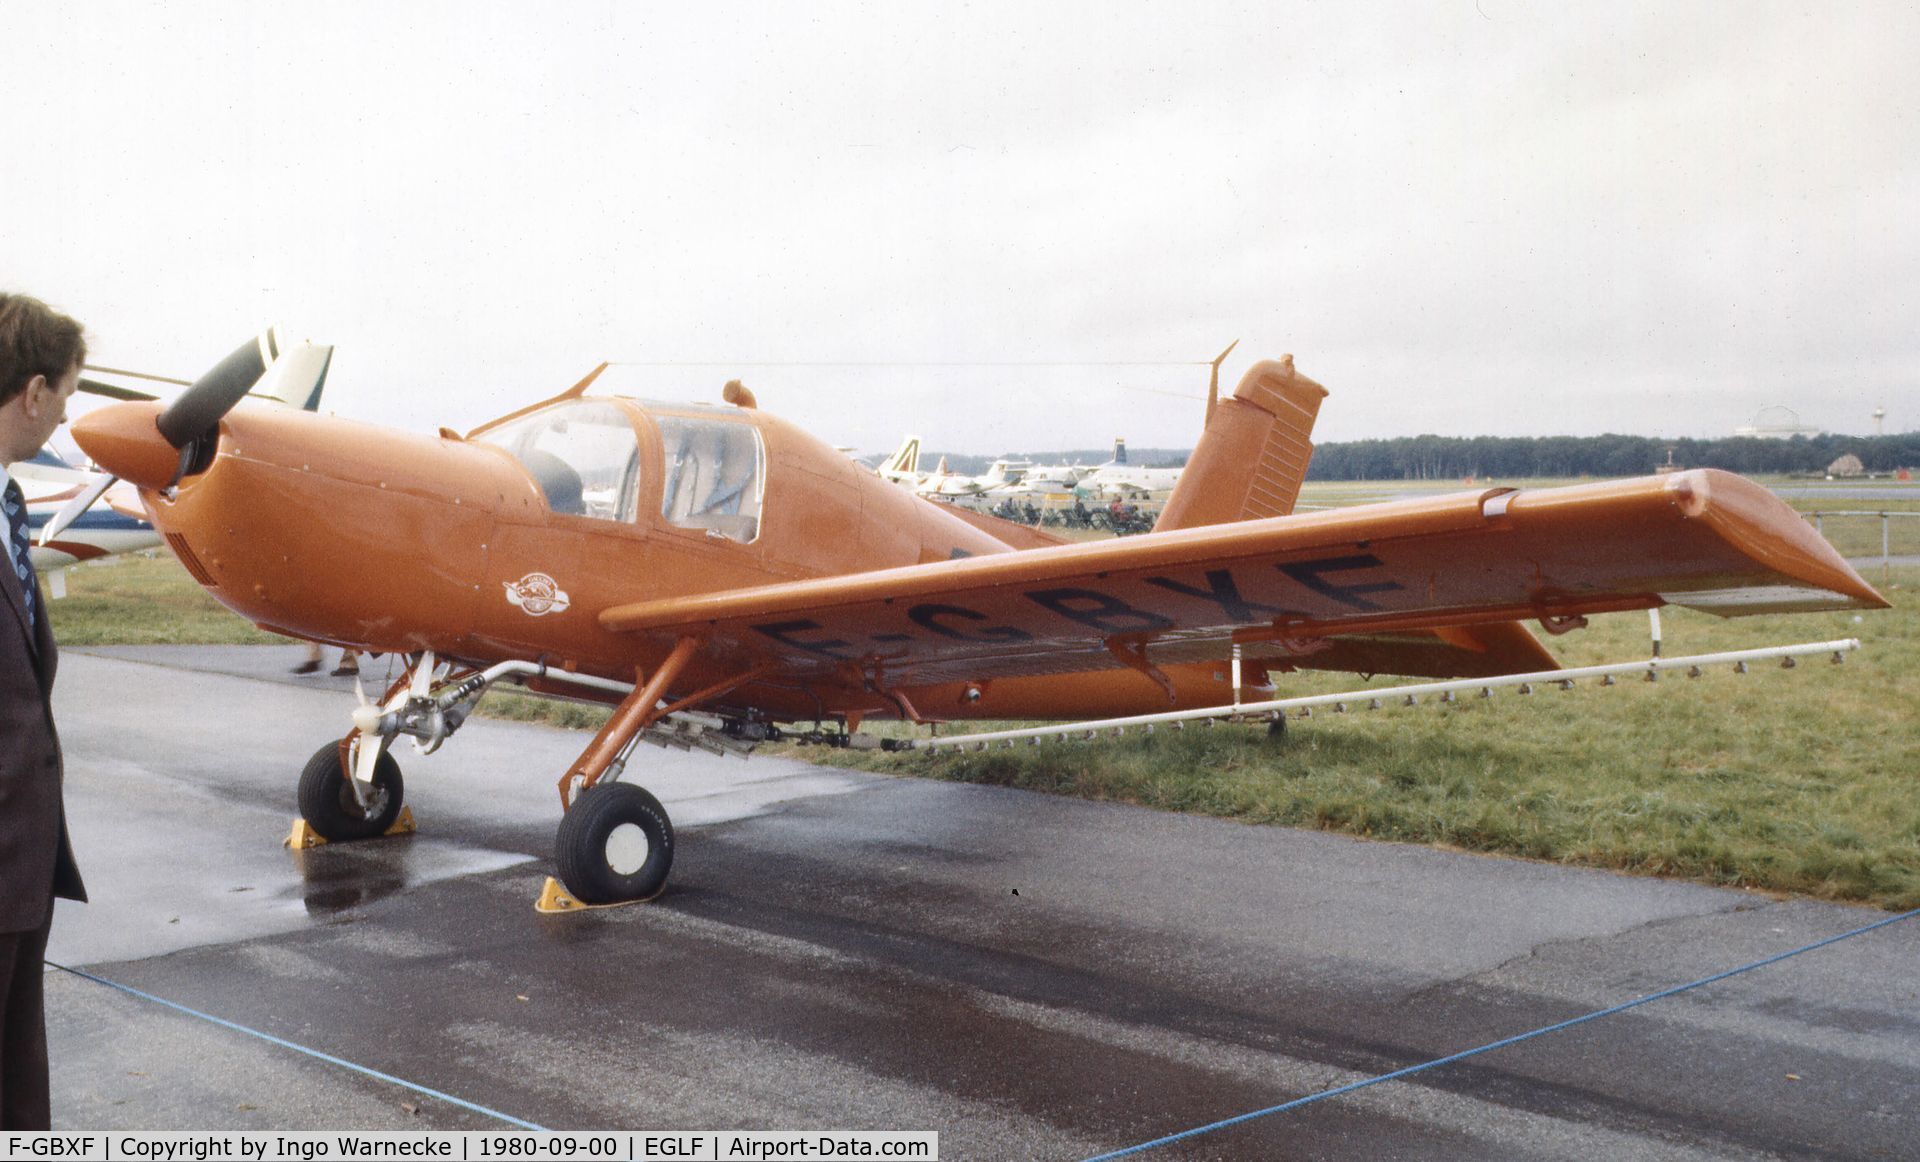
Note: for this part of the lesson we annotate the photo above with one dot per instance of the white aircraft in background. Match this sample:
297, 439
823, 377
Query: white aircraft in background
903, 467
1000, 475
68, 527
1054, 477
1004, 477
1118, 478
115, 526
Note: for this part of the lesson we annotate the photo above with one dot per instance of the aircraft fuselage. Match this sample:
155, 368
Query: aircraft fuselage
340, 531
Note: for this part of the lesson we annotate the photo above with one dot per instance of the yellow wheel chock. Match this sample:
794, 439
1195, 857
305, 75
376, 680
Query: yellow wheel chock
304, 836
555, 899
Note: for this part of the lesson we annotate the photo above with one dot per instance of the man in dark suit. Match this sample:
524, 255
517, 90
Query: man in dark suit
40, 356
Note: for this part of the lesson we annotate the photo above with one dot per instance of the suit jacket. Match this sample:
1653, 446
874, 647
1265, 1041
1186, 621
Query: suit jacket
36, 861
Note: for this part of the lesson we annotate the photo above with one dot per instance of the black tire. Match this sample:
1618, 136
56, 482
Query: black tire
596, 850
328, 804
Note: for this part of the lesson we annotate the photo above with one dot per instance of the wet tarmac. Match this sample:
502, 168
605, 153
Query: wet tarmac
1033, 977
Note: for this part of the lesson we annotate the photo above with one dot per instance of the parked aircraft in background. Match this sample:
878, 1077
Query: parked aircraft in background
116, 526
719, 576
1002, 477
903, 467
1054, 478
1000, 474
1117, 478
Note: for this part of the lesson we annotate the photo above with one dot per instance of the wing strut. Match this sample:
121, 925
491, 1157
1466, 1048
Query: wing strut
634, 714
641, 710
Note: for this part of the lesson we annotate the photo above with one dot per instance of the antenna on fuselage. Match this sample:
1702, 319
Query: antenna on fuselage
1213, 378
580, 389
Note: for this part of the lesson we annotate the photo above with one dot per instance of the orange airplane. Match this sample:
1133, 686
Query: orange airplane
715, 574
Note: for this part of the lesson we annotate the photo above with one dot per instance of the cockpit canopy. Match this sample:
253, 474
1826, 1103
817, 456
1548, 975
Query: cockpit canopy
714, 478
584, 455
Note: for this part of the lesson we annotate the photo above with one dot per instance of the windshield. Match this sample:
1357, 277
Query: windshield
582, 455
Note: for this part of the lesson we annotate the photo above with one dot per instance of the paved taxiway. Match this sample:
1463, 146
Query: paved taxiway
1030, 976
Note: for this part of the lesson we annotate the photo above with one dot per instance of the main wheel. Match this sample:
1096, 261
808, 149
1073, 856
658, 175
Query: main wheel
615, 844
329, 806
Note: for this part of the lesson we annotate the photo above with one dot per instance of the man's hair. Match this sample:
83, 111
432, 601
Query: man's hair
35, 340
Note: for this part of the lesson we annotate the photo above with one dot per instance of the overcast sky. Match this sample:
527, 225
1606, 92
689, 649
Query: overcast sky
1014, 226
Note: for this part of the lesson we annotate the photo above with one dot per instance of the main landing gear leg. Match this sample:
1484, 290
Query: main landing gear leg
615, 843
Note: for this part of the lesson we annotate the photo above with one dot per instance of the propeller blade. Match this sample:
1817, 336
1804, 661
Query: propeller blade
366, 758
423, 675
111, 391
72, 510
213, 395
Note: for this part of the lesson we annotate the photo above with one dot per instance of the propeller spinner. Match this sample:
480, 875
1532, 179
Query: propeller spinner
154, 446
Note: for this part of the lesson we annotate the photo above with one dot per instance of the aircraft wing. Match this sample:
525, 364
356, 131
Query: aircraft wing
1429, 586
41, 482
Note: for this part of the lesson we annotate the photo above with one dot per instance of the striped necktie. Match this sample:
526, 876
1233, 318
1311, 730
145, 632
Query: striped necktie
16, 505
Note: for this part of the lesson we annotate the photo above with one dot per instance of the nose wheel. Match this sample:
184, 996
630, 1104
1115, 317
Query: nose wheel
335, 809
615, 844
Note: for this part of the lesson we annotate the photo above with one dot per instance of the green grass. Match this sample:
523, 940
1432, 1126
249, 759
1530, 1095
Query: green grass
1801, 782
1862, 536
141, 600
517, 707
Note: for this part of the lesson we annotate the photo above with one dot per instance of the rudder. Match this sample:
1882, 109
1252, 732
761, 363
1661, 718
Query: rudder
1253, 455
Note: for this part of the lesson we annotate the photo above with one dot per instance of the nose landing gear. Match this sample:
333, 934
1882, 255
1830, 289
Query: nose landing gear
336, 808
615, 841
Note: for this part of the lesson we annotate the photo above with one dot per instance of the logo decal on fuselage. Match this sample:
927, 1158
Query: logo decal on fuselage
537, 595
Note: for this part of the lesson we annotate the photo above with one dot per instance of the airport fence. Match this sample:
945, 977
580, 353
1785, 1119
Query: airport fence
1863, 534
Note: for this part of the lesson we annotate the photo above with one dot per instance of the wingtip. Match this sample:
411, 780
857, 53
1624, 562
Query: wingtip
1771, 532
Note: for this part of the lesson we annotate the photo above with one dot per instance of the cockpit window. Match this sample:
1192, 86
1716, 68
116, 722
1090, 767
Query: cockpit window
713, 476
583, 455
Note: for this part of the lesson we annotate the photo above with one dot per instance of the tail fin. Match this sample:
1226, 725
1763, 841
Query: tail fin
905, 461
1254, 452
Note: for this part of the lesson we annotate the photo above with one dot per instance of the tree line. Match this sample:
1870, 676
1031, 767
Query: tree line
1457, 457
